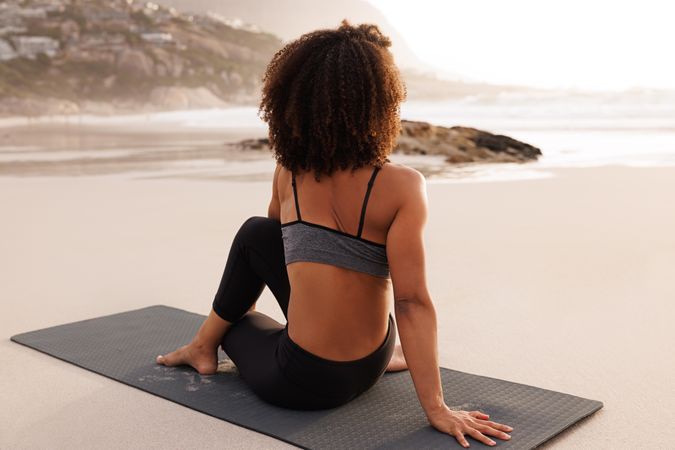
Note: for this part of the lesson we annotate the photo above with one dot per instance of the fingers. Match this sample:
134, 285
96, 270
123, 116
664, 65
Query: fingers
463, 424
479, 415
492, 432
474, 433
461, 439
498, 426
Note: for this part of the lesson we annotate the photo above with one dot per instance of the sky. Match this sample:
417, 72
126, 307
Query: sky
585, 44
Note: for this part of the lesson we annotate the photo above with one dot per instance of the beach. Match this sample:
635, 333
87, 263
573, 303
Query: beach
137, 137
563, 282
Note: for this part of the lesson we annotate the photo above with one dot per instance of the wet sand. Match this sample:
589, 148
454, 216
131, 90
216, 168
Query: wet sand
150, 150
564, 282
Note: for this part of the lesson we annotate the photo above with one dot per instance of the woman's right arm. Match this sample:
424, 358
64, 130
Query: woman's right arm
416, 317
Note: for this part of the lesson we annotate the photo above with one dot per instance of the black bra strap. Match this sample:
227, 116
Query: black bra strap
365, 200
295, 194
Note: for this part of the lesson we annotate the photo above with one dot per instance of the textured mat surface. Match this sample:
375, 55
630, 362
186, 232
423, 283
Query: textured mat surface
388, 416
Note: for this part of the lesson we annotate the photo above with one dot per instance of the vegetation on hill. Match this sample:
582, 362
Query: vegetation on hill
115, 51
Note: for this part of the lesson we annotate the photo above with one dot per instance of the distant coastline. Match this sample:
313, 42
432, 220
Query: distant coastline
108, 57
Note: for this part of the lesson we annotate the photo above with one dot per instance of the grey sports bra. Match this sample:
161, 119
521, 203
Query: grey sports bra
307, 241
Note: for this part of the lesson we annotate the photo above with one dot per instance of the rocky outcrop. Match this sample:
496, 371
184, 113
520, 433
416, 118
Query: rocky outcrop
253, 144
457, 144
135, 62
462, 144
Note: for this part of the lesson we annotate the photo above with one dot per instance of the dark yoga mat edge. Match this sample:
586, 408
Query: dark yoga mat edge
16, 338
590, 406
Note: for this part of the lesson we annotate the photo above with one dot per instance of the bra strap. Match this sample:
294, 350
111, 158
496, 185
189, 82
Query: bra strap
295, 195
365, 200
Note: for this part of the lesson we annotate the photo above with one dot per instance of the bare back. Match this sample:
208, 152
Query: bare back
340, 314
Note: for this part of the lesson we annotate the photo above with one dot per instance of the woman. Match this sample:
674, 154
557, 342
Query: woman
336, 245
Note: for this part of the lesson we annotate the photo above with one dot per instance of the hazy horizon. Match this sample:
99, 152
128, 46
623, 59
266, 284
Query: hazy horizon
598, 46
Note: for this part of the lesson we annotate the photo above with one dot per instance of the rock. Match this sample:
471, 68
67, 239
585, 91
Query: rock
499, 143
70, 30
462, 144
253, 144
226, 77
236, 79
109, 81
135, 62
166, 63
458, 144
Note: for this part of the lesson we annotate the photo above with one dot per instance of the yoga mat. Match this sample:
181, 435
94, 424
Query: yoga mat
388, 416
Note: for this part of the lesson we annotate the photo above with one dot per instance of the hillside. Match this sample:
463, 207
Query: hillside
289, 19
126, 54
108, 56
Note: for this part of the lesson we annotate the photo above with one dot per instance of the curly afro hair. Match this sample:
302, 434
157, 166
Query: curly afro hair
331, 99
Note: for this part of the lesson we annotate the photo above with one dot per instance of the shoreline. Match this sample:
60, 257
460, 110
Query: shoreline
171, 147
159, 150
577, 144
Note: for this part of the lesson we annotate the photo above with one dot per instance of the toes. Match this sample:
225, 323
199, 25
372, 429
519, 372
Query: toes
170, 359
161, 359
183, 356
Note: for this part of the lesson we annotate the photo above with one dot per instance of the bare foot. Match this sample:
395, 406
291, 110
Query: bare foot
397, 361
204, 360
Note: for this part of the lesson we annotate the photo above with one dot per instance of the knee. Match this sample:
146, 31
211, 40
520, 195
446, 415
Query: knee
255, 227
258, 222
252, 220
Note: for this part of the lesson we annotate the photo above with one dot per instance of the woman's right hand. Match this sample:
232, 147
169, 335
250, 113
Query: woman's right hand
472, 423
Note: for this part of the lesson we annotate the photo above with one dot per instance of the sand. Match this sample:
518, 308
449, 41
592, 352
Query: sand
564, 282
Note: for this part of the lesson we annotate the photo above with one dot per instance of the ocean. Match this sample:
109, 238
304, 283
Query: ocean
577, 132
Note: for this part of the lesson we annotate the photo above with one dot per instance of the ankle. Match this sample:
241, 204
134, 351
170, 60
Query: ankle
200, 344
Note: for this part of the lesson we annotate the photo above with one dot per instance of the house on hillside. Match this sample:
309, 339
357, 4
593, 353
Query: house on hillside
50, 6
12, 29
6, 50
158, 38
98, 13
31, 46
97, 47
32, 13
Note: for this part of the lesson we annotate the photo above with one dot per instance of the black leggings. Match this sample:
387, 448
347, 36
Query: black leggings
277, 369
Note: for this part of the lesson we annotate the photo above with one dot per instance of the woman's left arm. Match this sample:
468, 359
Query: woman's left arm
274, 207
